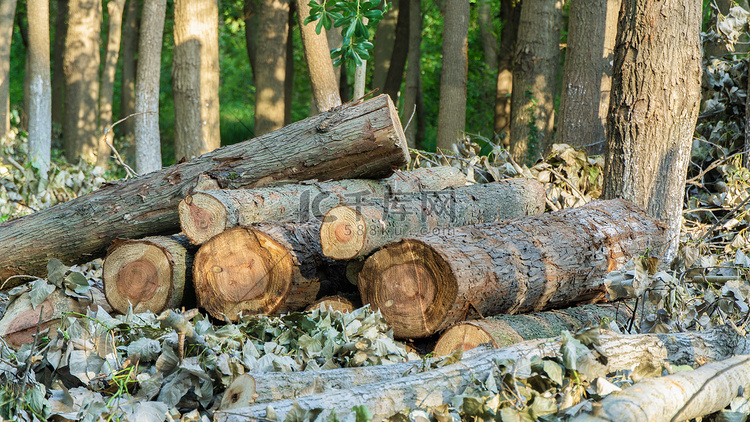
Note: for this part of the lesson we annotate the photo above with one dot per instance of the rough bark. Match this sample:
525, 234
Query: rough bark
195, 78
203, 215
506, 330
273, 21
250, 11
58, 75
81, 67
351, 141
413, 72
682, 396
535, 62
511, 14
7, 13
486, 30
587, 77
355, 231
107, 91
454, 74
324, 84
654, 107
385, 39
424, 284
149, 274
147, 140
395, 72
40, 85
385, 390
129, 49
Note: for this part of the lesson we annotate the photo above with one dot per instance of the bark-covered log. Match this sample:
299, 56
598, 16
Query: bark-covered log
505, 330
205, 214
424, 284
355, 140
150, 273
386, 390
678, 397
263, 269
353, 231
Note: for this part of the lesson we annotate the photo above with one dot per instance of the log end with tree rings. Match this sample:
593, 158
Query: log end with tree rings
140, 273
471, 334
411, 284
242, 271
343, 232
202, 217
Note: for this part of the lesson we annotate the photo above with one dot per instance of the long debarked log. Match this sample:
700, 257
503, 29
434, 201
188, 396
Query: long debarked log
424, 284
355, 231
150, 273
205, 214
385, 390
505, 330
354, 140
263, 269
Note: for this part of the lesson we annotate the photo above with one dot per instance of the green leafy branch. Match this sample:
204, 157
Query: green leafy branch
355, 17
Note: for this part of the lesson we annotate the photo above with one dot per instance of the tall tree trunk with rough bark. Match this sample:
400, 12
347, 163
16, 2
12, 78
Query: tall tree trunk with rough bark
40, 86
324, 84
413, 73
273, 21
58, 75
587, 78
81, 66
453, 80
250, 12
107, 91
400, 52
510, 15
486, 30
147, 141
7, 13
656, 91
385, 40
534, 79
195, 77
129, 62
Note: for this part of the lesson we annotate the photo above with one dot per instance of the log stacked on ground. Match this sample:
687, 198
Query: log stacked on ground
350, 232
424, 284
354, 140
504, 330
206, 214
150, 273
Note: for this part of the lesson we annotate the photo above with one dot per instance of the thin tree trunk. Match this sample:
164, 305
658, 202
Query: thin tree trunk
398, 58
129, 63
106, 94
7, 13
147, 144
58, 74
289, 71
250, 11
360, 77
40, 86
385, 39
453, 80
535, 65
510, 14
486, 30
654, 107
273, 30
587, 77
413, 73
324, 83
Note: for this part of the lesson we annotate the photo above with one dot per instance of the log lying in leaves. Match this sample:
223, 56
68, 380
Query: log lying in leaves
424, 284
355, 140
205, 214
385, 390
355, 231
337, 303
150, 273
505, 330
264, 269
678, 397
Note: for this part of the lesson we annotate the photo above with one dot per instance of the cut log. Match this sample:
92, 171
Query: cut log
355, 140
203, 215
424, 284
355, 231
385, 390
264, 269
337, 303
150, 273
505, 330
677, 397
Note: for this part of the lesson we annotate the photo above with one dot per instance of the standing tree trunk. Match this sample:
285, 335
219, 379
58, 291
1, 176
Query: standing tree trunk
486, 30
273, 21
452, 112
40, 87
413, 72
106, 95
81, 66
7, 13
147, 145
289, 71
129, 49
58, 75
195, 76
250, 12
324, 85
385, 40
588, 74
511, 14
654, 107
398, 59
534, 79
